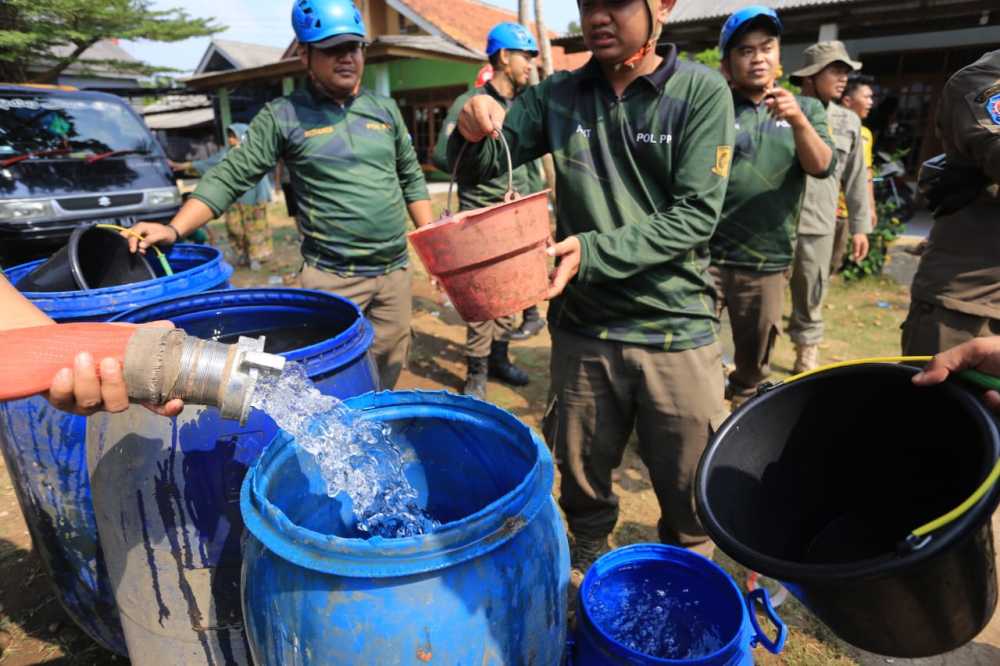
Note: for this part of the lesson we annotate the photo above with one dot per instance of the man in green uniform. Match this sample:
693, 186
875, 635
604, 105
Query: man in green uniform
642, 143
511, 49
779, 139
825, 78
355, 175
956, 291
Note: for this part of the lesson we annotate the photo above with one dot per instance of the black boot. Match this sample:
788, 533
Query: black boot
531, 326
475, 379
501, 368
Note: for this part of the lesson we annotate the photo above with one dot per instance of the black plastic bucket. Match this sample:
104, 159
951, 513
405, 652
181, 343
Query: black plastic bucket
94, 258
819, 482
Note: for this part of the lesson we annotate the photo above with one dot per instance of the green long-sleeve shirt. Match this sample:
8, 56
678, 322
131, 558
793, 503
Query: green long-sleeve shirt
527, 179
641, 182
757, 229
353, 168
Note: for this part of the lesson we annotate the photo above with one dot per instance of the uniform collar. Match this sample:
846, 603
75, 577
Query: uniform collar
657, 79
321, 98
739, 99
491, 90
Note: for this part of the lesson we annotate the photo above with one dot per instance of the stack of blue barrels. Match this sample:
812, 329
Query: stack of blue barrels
45, 451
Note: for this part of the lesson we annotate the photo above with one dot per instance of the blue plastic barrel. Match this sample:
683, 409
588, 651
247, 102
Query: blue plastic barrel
699, 602
166, 491
45, 454
197, 268
487, 587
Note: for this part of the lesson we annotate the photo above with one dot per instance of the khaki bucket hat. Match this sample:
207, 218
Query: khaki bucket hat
822, 54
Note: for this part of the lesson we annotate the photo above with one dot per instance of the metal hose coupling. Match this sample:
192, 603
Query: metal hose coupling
161, 364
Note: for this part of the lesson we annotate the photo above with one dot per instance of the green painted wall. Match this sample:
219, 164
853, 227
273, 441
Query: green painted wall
415, 74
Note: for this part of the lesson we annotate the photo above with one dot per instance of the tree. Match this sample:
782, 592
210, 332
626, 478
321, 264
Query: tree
574, 28
33, 31
543, 39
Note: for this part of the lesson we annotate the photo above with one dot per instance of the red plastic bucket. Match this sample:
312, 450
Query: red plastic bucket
490, 261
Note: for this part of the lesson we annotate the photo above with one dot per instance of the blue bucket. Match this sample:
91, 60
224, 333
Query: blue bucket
45, 453
710, 609
166, 491
488, 586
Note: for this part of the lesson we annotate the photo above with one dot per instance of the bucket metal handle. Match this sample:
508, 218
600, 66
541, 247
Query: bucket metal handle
510, 195
760, 638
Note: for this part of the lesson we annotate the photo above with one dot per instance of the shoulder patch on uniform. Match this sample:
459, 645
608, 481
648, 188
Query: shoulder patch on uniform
318, 131
989, 92
993, 108
723, 159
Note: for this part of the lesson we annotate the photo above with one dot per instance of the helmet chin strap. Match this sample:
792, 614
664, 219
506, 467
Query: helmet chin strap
650, 46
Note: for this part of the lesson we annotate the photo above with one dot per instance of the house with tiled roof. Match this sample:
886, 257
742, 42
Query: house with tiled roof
424, 53
226, 54
91, 71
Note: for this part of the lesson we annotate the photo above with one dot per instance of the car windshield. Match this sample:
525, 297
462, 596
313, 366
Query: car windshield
64, 126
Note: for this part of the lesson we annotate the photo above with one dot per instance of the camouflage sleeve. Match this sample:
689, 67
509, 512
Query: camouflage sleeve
524, 130
855, 186
411, 176
698, 188
816, 114
244, 166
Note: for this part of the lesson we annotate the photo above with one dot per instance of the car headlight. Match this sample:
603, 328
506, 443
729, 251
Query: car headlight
16, 211
165, 197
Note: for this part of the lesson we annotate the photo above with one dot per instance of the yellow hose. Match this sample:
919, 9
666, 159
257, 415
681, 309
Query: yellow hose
959, 510
159, 253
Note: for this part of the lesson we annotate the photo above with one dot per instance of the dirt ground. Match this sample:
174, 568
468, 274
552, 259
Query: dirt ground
863, 320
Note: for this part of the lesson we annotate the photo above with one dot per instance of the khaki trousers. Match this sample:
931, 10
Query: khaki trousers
810, 281
755, 302
601, 392
840, 237
479, 336
386, 302
930, 329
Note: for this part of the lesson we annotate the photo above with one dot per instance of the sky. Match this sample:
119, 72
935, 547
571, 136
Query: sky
268, 22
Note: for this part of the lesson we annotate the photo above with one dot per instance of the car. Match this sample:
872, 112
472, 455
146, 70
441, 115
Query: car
70, 157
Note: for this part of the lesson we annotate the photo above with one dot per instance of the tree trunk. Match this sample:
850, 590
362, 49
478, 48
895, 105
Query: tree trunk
523, 13
51, 75
543, 39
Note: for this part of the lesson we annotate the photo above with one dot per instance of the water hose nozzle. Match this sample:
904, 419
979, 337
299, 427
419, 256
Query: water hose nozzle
162, 364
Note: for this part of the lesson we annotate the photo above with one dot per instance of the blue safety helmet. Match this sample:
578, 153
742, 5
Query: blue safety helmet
326, 23
742, 18
511, 36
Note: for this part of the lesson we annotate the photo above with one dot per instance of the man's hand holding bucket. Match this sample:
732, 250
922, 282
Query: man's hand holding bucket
982, 354
483, 117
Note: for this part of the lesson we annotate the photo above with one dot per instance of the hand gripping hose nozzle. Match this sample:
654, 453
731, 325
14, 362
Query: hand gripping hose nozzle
161, 364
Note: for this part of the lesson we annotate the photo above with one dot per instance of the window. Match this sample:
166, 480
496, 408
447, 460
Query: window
407, 27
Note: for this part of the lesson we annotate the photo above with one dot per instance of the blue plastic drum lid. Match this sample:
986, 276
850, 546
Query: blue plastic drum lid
488, 586
714, 608
196, 268
45, 449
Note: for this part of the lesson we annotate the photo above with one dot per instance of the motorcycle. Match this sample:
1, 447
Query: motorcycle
891, 186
